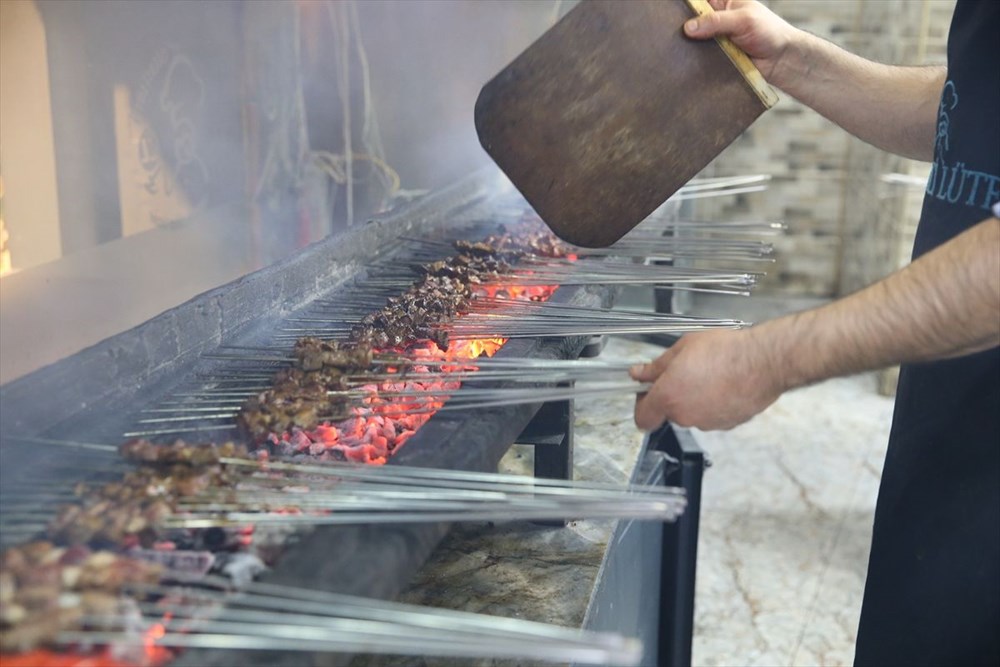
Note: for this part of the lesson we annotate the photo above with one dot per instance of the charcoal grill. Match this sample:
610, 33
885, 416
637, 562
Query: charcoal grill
95, 395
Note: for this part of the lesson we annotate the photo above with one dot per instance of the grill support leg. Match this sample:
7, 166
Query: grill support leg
680, 546
551, 434
554, 456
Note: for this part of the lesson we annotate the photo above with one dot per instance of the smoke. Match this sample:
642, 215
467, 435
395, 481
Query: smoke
195, 142
428, 62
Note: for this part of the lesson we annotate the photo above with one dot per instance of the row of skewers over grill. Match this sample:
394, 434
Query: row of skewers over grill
359, 379
88, 578
160, 552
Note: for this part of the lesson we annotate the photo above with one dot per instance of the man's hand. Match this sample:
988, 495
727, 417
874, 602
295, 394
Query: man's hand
762, 34
710, 380
944, 304
893, 108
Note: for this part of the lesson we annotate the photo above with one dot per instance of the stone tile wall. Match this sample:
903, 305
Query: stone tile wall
879, 219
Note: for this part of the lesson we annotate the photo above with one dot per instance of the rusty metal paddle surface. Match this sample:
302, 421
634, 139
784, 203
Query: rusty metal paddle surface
613, 110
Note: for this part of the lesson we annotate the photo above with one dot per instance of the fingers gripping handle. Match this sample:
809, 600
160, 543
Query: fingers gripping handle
739, 59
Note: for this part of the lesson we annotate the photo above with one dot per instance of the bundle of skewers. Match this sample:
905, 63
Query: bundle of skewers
280, 618
491, 291
579, 320
109, 608
391, 386
199, 486
722, 186
360, 376
83, 581
542, 320
528, 263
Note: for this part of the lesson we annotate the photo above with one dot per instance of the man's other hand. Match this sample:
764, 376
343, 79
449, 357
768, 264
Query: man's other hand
710, 380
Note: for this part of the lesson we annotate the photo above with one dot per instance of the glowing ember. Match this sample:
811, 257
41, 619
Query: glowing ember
156, 632
378, 429
517, 292
154, 655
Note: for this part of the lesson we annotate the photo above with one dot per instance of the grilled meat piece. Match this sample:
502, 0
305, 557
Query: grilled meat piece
468, 269
416, 314
445, 289
512, 246
38, 629
46, 590
180, 452
476, 248
313, 354
133, 507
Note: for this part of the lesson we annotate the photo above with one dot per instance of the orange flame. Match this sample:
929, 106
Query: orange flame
473, 349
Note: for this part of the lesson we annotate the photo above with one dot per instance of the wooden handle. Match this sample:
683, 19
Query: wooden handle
741, 60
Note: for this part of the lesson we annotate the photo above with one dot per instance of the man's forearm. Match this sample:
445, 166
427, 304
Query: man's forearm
944, 304
947, 303
893, 108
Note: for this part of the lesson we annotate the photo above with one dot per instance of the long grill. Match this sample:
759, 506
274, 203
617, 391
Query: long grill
180, 365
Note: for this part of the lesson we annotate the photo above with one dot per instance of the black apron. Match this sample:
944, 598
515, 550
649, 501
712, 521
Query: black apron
932, 596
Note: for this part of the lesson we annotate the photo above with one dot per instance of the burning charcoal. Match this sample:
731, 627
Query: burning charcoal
299, 440
389, 430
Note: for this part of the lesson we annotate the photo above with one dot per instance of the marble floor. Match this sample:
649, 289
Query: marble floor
786, 528
786, 521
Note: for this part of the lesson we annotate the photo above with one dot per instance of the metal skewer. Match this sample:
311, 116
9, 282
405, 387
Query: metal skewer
457, 512
178, 431
457, 399
412, 475
278, 598
336, 473
655, 225
303, 638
